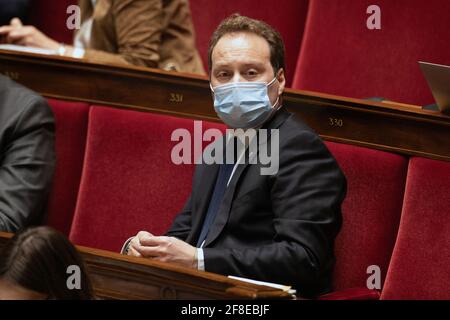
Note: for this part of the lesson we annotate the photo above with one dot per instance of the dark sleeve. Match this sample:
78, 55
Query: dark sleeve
306, 196
181, 226
12, 9
27, 166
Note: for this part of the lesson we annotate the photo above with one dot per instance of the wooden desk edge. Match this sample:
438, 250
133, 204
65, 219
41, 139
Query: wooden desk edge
98, 261
202, 80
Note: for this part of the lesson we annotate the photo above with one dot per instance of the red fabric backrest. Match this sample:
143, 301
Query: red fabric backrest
71, 120
50, 17
341, 56
129, 182
371, 212
287, 16
420, 264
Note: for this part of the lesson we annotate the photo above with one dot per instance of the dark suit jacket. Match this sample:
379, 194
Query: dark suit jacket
27, 155
279, 228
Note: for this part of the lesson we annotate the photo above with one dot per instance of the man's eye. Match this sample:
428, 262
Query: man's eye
222, 74
252, 73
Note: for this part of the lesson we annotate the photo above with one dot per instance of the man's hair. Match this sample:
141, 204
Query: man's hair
238, 23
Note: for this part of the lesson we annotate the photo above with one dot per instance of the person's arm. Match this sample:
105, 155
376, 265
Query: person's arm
26, 167
181, 227
306, 197
138, 27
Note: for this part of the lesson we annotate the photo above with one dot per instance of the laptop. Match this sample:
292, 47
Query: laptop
438, 78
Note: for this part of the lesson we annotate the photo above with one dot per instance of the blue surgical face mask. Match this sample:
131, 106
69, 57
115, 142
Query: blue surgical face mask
243, 104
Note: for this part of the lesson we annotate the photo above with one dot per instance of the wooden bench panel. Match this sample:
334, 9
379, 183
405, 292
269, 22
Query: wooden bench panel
392, 127
116, 276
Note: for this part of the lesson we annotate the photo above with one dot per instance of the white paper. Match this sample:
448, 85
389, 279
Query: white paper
13, 47
268, 284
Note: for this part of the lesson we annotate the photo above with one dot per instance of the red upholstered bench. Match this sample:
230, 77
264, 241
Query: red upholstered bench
71, 120
129, 181
371, 214
288, 17
341, 56
420, 264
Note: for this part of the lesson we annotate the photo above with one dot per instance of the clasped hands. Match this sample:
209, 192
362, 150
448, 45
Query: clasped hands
166, 249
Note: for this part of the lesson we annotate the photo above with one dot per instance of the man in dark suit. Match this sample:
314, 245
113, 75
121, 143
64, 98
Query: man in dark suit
27, 155
278, 227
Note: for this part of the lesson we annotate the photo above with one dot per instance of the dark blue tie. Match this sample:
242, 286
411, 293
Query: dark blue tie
225, 171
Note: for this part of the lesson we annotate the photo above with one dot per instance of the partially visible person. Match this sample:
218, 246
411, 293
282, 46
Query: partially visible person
34, 265
13, 8
150, 33
27, 155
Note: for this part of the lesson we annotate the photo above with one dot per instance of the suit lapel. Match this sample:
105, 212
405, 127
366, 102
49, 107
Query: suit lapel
207, 183
224, 210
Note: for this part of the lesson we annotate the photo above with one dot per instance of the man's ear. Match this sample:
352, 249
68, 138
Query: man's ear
281, 80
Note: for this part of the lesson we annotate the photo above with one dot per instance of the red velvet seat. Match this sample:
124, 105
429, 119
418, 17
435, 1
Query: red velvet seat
71, 120
50, 17
371, 212
288, 17
129, 182
420, 264
341, 56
